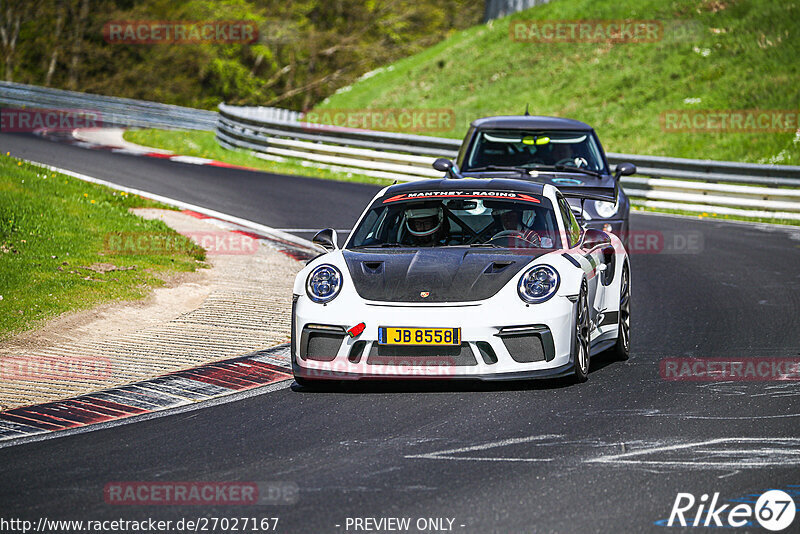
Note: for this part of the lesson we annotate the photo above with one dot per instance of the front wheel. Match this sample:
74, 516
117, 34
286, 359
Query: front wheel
622, 347
580, 350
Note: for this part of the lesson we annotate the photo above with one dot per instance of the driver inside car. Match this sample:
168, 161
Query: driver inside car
560, 153
511, 225
426, 226
563, 154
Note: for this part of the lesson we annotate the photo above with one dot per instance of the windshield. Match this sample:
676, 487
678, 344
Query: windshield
444, 222
531, 149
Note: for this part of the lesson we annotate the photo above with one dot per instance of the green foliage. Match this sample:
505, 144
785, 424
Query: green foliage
730, 55
305, 50
54, 229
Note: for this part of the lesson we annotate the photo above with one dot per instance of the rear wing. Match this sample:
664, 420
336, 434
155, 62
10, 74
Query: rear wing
584, 193
605, 188
606, 194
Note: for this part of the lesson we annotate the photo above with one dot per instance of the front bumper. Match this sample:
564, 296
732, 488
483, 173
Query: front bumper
500, 340
555, 372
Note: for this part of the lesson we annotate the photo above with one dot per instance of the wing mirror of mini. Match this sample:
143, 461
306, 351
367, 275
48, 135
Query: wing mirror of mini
624, 169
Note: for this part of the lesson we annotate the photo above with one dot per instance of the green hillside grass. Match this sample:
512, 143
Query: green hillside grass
54, 254
725, 55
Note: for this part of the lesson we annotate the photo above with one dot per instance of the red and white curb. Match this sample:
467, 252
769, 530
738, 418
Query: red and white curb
193, 160
174, 390
111, 139
292, 249
182, 388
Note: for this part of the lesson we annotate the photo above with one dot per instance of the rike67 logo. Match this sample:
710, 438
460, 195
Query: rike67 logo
774, 510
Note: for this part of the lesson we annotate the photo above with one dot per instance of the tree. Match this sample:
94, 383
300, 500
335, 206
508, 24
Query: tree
306, 50
12, 15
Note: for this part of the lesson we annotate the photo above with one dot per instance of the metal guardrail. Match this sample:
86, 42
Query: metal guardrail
711, 170
264, 114
112, 110
495, 9
233, 118
272, 133
693, 185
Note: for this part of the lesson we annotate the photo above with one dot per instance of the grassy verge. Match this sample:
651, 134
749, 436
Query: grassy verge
204, 145
716, 216
53, 253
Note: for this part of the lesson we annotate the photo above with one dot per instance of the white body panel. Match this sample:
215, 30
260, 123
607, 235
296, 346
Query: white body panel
479, 321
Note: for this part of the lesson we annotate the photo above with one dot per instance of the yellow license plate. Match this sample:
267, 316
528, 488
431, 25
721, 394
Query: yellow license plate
389, 335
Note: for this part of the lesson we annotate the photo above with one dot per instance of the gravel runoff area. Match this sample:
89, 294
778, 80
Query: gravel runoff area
239, 305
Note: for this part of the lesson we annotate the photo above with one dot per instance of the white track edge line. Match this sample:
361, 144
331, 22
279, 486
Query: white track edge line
261, 228
155, 414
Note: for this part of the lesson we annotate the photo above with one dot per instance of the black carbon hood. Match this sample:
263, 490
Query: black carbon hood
447, 274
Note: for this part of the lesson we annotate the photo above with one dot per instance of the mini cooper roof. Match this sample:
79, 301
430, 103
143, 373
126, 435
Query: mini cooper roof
466, 184
530, 122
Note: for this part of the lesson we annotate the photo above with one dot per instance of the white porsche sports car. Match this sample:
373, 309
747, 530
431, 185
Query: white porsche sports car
462, 278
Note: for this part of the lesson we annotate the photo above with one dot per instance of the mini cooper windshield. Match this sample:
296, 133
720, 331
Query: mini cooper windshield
534, 150
453, 222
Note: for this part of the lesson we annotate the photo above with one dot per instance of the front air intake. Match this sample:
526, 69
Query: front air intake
528, 344
487, 352
356, 351
400, 355
321, 342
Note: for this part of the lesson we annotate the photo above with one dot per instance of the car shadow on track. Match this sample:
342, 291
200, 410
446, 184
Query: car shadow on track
445, 385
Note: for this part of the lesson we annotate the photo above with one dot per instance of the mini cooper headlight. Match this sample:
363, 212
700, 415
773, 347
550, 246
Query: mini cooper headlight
605, 210
538, 284
324, 283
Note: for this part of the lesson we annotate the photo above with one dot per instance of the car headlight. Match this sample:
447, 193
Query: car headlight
538, 284
605, 210
324, 283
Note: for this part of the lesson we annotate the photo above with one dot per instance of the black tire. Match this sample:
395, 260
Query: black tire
622, 348
580, 349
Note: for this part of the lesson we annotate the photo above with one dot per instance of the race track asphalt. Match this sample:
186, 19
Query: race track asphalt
515, 457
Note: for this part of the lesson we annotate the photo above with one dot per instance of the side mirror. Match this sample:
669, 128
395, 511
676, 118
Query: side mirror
326, 239
442, 164
624, 169
595, 238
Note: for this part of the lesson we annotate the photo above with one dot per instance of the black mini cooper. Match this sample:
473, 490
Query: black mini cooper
563, 152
